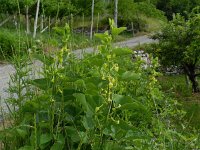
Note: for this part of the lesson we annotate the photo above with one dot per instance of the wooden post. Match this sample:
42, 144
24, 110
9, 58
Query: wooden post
36, 19
116, 12
132, 29
97, 23
187, 82
91, 28
83, 24
41, 22
27, 20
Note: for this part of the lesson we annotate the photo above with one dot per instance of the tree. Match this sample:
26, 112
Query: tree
36, 19
179, 45
66, 7
176, 6
8, 6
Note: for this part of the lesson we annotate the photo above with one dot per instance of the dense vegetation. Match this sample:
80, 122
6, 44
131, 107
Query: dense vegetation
103, 100
53, 13
179, 45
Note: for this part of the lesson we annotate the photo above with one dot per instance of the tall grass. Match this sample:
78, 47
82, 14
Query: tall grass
176, 86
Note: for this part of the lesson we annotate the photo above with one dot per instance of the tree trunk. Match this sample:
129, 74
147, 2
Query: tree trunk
92, 19
116, 12
27, 21
36, 19
190, 71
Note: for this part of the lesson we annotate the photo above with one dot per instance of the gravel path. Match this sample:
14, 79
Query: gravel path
6, 69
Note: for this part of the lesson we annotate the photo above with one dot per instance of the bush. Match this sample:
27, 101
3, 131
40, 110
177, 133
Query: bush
10, 42
150, 10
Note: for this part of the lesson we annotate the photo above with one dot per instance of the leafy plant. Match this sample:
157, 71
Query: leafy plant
104, 101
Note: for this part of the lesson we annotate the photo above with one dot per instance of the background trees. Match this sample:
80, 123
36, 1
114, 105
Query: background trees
179, 45
176, 6
128, 11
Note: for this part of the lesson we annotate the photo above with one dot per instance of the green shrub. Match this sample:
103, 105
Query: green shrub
10, 43
150, 10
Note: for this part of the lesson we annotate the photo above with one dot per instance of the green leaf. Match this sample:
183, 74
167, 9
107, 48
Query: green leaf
133, 106
130, 75
45, 138
119, 129
31, 106
32, 139
67, 94
84, 137
95, 60
27, 148
95, 82
135, 134
47, 60
82, 100
101, 36
22, 133
88, 123
111, 22
109, 145
94, 101
57, 146
72, 133
42, 83
121, 99
122, 51
117, 31
60, 139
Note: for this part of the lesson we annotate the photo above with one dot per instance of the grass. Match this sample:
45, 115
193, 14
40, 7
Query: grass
175, 86
154, 25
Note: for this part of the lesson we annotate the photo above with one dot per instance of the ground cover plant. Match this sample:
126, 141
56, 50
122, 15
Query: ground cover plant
104, 101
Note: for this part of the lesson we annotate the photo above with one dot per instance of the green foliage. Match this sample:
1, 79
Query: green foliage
175, 86
149, 10
103, 101
9, 6
10, 43
55, 8
171, 7
179, 45
130, 11
193, 109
